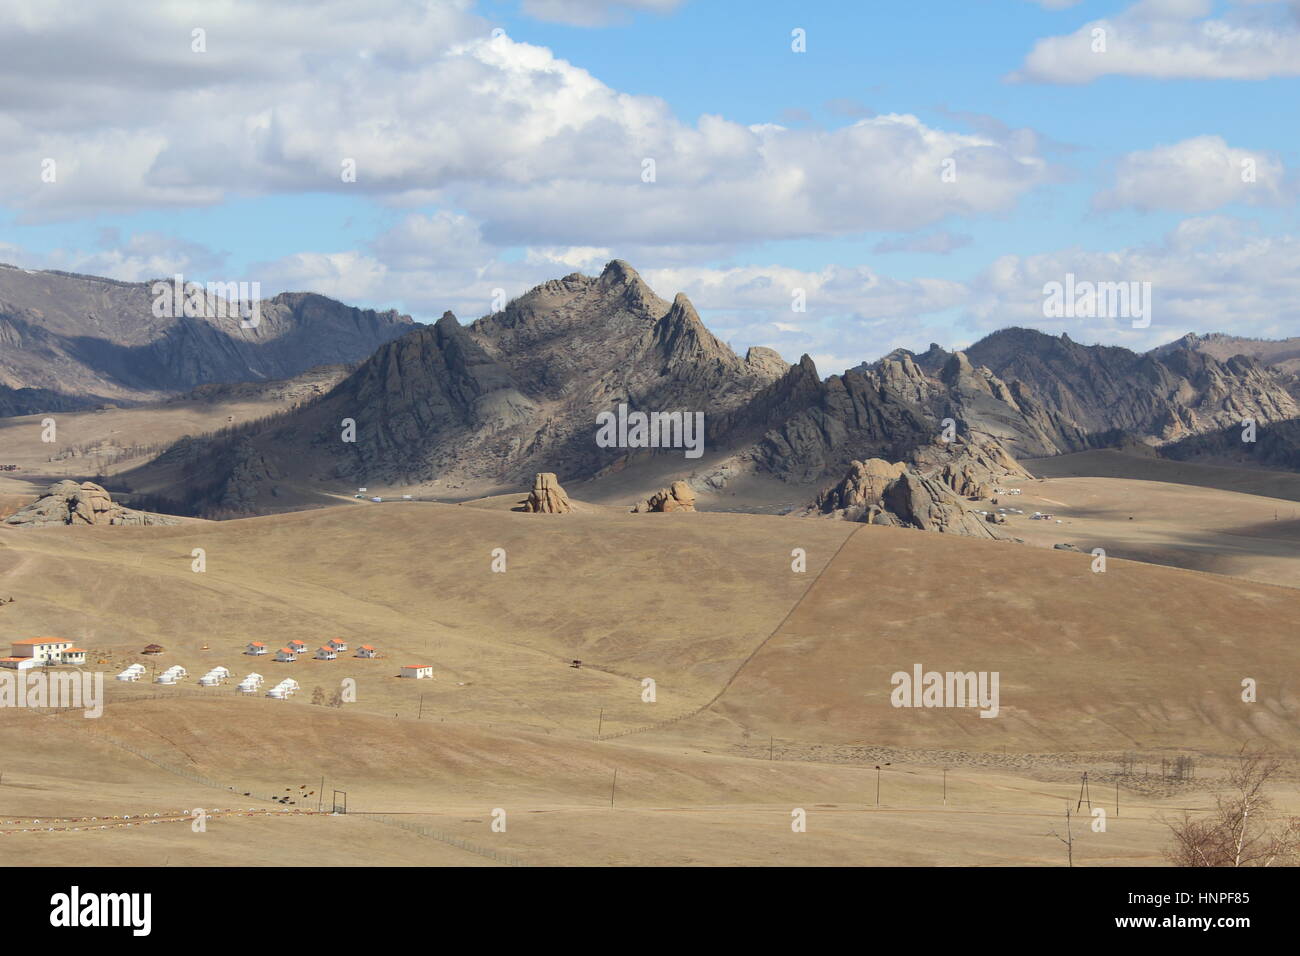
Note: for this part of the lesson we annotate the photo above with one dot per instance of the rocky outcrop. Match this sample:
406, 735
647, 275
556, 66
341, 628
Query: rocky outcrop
929, 505
679, 496
861, 490
884, 493
547, 497
69, 503
971, 466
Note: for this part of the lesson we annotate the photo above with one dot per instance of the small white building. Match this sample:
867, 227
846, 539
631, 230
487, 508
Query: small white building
42, 652
418, 671
298, 647
285, 655
256, 648
326, 654
337, 643
254, 679
365, 650
129, 675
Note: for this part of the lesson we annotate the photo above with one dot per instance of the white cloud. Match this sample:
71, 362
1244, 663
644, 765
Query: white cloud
1174, 39
1196, 175
1212, 274
434, 110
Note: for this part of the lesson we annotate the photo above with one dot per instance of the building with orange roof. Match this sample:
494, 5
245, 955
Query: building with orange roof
42, 652
418, 671
365, 650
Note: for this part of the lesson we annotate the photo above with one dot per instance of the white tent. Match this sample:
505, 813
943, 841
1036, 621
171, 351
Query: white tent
220, 671
165, 678
129, 674
255, 678
277, 693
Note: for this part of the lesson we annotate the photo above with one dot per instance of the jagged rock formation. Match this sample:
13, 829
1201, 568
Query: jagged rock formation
1283, 354
862, 489
87, 340
547, 497
518, 392
970, 466
679, 496
503, 398
880, 492
1100, 392
69, 503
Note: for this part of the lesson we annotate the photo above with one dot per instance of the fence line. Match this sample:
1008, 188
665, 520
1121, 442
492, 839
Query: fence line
442, 837
377, 818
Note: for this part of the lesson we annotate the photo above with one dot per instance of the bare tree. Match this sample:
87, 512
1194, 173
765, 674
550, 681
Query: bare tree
1068, 839
1241, 829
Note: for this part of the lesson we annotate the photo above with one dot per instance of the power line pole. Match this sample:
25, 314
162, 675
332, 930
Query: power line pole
613, 787
600, 724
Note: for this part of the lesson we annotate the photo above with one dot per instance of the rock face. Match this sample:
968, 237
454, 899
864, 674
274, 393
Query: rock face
971, 467
1100, 392
518, 392
928, 504
547, 497
67, 340
69, 503
862, 489
679, 496
884, 493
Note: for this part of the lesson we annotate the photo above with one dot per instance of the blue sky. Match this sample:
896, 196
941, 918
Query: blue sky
494, 162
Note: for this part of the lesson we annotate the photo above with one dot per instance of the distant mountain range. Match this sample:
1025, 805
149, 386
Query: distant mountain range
518, 392
73, 341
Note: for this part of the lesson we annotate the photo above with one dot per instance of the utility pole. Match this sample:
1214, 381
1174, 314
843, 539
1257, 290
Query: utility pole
320, 799
612, 788
1117, 798
771, 747
945, 786
1084, 792
420, 716
601, 722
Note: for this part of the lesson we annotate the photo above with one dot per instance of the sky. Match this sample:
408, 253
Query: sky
834, 178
